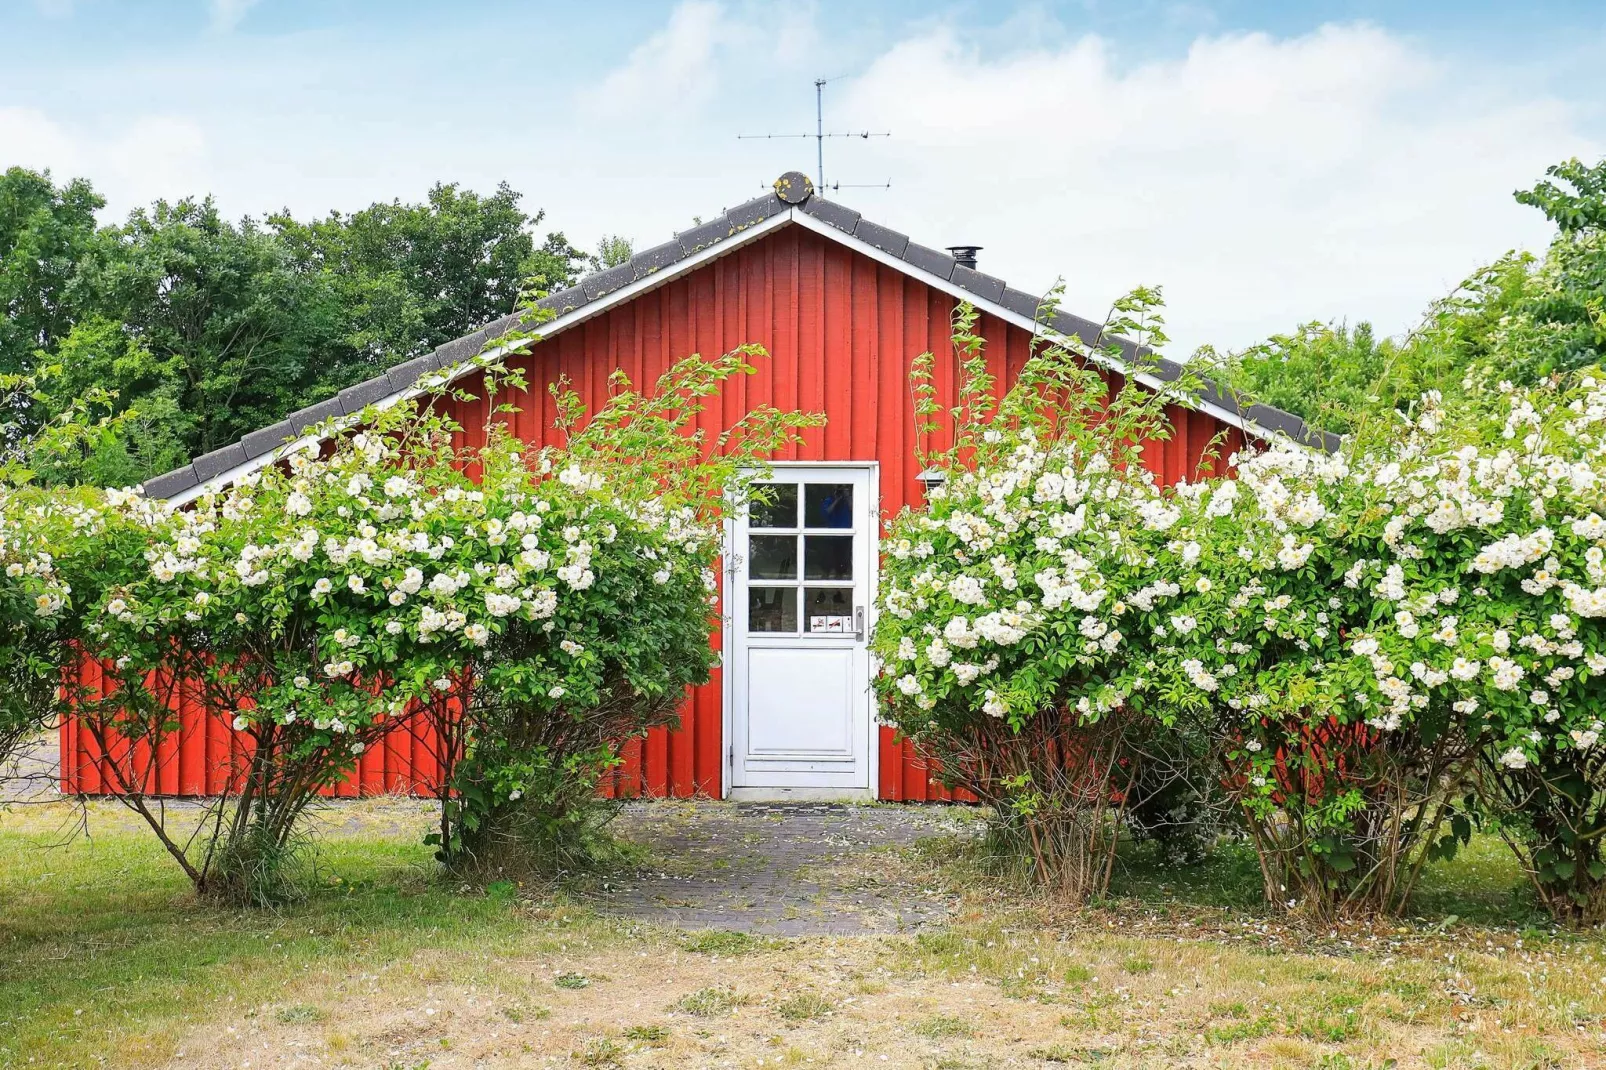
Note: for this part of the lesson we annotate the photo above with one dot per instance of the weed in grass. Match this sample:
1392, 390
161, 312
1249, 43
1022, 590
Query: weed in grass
1234, 1032
601, 1051
1056, 1053
1077, 975
709, 1002
648, 1034
941, 943
1137, 964
517, 1013
572, 981
938, 1026
300, 1014
803, 1007
1027, 988
721, 942
1332, 1028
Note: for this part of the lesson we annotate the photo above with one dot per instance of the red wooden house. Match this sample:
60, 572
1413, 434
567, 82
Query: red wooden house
841, 304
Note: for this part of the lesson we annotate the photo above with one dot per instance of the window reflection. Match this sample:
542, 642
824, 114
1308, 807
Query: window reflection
772, 557
828, 557
773, 505
772, 609
828, 505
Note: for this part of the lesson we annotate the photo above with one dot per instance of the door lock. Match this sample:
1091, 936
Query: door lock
858, 624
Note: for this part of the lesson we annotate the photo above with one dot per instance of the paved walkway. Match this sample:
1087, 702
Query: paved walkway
783, 870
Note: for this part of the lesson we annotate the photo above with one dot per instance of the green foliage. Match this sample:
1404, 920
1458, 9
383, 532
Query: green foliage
209, 329
412, 277
1360, 643
612, 250
45, 234
1521, 319
1021, 704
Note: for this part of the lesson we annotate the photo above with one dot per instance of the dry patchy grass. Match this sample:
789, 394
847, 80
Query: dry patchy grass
385, 966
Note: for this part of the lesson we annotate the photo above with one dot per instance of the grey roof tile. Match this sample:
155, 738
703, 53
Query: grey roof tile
842, 218
564, 300
985, 287
1020, 302
1168, 371
650, 261
929, 260
1077, 327
498, 327
266, 440
888, 241
302, 420
756, 210
701, 237
405, 376
217, 462
356, 398
466, 348
794, 187
168, 484
601, 283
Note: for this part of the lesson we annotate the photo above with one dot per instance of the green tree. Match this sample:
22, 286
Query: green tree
1522, 319
45, 234
412, 277
612, 251
231, 334
1323, 372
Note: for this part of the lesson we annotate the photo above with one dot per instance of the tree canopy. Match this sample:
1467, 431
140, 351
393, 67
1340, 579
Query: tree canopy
1522, 319
208, 328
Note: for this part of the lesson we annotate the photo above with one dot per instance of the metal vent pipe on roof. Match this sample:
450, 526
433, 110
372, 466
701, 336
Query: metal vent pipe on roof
964, 255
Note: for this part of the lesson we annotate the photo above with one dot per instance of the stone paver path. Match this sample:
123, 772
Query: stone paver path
782, 870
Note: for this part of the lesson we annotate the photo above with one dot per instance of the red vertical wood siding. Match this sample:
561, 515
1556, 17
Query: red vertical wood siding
840, 330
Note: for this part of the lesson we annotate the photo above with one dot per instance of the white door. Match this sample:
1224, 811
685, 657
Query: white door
801, 570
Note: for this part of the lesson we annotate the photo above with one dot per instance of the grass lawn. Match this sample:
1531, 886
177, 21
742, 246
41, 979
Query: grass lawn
106, 960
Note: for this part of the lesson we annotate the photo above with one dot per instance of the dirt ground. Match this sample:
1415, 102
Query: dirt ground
974, 978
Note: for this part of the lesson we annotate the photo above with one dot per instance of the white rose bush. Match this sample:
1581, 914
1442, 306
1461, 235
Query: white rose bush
1003, 635
1369, 652
538, 608
40, 521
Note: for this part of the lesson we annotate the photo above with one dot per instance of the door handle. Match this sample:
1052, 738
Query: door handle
858, 624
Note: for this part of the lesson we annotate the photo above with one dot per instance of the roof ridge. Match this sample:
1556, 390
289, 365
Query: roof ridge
792, 191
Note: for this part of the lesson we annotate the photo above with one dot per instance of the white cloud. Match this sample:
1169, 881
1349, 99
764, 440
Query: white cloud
226, 14
1262, 181
673, 70
159, 156
149, 157
29, 139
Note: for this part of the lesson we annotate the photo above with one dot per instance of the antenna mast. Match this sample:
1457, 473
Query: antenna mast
819, 126
819, 137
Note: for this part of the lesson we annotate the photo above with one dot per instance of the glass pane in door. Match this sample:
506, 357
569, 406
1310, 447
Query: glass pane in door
772, 609
773, 505
828, 505
828, 610
828, 557
772, 557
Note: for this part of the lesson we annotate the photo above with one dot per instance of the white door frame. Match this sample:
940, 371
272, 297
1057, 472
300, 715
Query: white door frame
728, 577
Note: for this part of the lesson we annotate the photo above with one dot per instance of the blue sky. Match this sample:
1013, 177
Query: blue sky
1266, 163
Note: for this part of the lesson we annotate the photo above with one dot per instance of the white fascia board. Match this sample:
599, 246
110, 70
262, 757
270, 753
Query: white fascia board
1153, 382
496, 353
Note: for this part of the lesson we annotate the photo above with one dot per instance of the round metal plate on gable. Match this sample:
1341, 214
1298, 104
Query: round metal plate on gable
794, 187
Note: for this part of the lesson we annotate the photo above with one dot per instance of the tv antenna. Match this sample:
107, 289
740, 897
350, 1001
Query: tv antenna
819, 136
